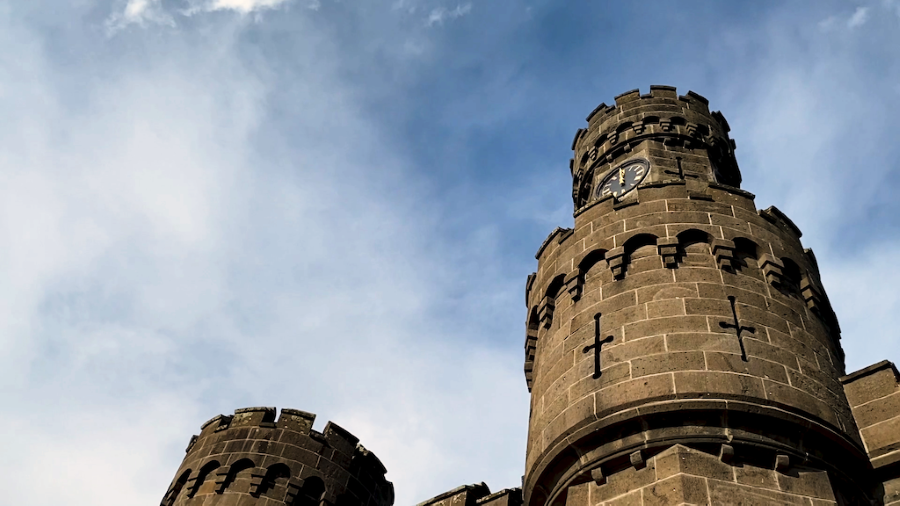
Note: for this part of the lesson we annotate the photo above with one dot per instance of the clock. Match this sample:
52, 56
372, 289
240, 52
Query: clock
623, 179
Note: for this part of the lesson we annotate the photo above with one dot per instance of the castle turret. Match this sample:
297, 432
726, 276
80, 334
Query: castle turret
680, 347
249, 458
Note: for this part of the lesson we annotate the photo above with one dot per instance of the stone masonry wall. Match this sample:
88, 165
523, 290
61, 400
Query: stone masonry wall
663, 276
682, 475
250, 459
874, 395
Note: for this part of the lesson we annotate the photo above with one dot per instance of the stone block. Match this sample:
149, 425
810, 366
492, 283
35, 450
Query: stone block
666, 291
667, 362
727, 493
612, 323
873, 382
671, 324
679, 489
714, 208
633, 392
741, 227
718, 384
883, 437
681, 459
726, 453
622, 351
807, 483
731, 362
611, 374
799, 399
705, 341
720, 307
630, 499
744, 282
698, 275
665, 218
605, 307
754, 476
764, 350
645, 264
578, 495
668, 307
752, 315
797, 347
878, 410
892, 491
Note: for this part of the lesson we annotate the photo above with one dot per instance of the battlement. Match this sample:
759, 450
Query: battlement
257, 452
675, 132
662, 106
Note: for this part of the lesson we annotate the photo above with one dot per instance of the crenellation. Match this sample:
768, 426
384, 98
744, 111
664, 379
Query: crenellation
249, 453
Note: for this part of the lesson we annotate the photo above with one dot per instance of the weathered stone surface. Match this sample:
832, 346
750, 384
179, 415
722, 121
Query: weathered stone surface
252, 458
699, 297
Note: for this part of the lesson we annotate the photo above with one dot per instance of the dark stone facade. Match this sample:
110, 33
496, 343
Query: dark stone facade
680, 349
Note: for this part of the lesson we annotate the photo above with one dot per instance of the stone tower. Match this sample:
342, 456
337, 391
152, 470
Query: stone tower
680, 347
249, 458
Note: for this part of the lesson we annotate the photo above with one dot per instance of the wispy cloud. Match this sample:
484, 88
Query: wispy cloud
139, 12
440, 15
143, 12
859, 17
244, 6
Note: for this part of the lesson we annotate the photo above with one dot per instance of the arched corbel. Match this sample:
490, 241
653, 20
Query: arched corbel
772, 269
668, 250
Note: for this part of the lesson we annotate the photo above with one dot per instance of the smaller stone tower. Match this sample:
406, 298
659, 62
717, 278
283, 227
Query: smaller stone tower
250, 459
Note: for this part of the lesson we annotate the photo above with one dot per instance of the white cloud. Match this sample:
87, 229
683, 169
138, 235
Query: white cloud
144, 12
140, 12
244, 6
859, 17
439, 15
163, 267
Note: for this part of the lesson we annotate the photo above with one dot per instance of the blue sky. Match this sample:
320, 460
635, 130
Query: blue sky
333, 206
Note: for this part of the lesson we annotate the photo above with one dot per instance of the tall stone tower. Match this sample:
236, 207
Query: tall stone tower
680, 347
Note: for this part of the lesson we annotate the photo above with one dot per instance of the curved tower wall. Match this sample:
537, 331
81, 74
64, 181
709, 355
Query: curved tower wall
661, 277
249, 458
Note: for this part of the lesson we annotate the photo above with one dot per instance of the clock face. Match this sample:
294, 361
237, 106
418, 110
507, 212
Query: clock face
623, 179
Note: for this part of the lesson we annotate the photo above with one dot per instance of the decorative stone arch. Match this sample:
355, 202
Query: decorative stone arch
532, 329
311, 493
172, 495
746, 257
548, 303
241, 465
791, 275
639, 246
695, 248
202, 475
587, 262
276, 477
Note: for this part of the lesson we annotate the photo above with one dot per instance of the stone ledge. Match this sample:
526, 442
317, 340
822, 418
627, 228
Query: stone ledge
866, 371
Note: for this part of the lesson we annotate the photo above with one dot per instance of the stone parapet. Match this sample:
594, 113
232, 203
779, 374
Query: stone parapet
252, 458
679, 135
